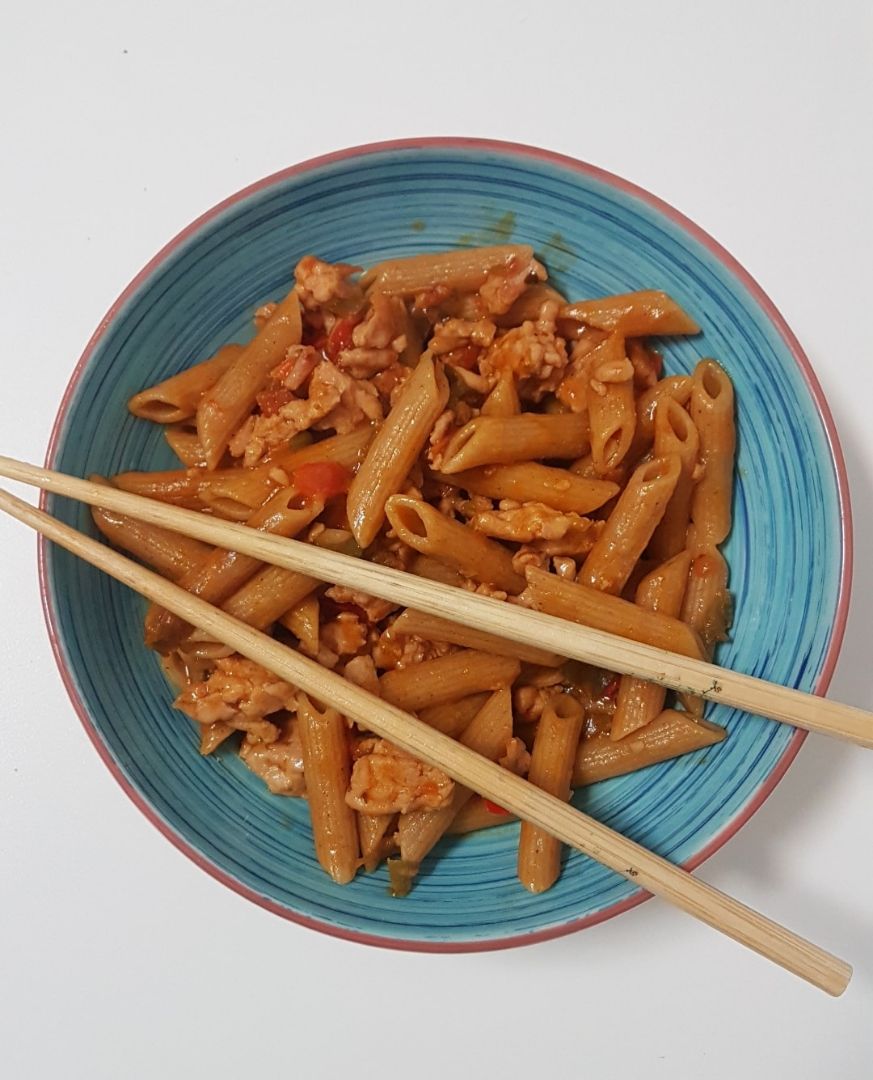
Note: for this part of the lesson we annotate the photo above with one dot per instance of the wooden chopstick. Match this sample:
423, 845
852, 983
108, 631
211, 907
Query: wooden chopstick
516, 624
522, 798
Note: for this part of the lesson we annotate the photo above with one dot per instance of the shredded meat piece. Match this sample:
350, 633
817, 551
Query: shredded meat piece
483, 588
531, 521
213, 735
264, 313
393, 651
451, 334
241, 693
453, 501
445, 427
279, 763
361, 363
334, 402
516, 758
505, 284
320, 282
431, 298
362, 672
387, 780
389, 381
383, 325
532, 352
345, 635
299, 363
374, 608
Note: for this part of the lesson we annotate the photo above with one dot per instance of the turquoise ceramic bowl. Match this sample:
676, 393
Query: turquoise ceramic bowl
789, 551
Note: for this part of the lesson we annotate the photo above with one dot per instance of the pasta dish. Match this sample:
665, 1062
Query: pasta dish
454, 416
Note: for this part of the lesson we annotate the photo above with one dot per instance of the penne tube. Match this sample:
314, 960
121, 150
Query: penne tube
551, 768
327, 767
504, 440
630, 525
669, 735
181, 487
503, 399
528, 306
176, 399
638, 702
182, 440
434, 570
223, 572
447, 678
675, 433
303, 622
612, 414
268, 595
464, 270
591, 607
396, 448
636, 314
707, 606
372, 836
478, 814
170, 553
226, 404
532, 482
712, 410
488, 734
422, 527
452, 717
235, 494
433, 628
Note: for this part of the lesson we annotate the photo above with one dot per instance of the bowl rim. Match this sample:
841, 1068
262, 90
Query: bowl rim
510, 149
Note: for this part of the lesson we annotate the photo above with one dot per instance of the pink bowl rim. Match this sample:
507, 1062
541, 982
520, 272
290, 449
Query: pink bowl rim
733, 266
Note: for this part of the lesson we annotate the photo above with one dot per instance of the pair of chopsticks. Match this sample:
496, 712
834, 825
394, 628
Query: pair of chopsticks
528, 802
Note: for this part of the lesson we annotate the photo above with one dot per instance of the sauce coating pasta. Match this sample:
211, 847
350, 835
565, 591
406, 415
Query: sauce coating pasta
449, 415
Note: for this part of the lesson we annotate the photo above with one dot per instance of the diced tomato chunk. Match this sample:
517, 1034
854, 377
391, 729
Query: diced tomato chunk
493, 808
271, 400
340, 337
323, 478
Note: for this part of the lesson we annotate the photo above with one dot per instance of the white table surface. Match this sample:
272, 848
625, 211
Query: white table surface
121, 122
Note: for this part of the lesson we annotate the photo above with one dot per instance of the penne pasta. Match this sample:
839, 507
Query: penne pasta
488, 734
503, 399
327, 766
451, 717
612, 414
669, 735
181, 487
176, 399
226, 404
675, 433
712, 410
182, 440
433, 628
222, 572
303, 622
478, 814
499, 440
551, 768
236, 493
171, 554
395, 448
373, 830
528, 306
638, 702
268, 595
447, 678
531, 482
591, 607
636, 314
464, 270
422, 527
630, 525
434, 570
707, 606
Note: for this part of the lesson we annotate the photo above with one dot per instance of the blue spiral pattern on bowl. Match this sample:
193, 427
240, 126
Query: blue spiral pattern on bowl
785, 551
